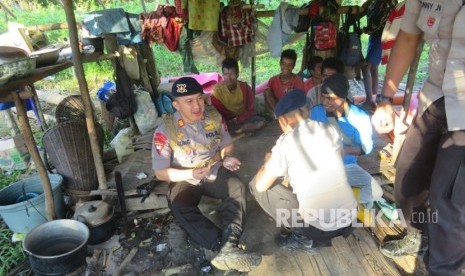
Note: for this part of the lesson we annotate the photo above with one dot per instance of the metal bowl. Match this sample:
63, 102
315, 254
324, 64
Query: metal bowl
46, 56
17, 68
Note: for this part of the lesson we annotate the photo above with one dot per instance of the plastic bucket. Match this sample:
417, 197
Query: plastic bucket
23, 216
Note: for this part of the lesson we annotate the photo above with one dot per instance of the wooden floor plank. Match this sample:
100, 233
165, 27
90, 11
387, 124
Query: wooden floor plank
356, 255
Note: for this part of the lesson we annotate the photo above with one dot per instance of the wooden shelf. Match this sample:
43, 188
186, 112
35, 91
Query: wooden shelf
38, 74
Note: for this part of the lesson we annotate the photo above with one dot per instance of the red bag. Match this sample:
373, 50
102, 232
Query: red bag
325, 35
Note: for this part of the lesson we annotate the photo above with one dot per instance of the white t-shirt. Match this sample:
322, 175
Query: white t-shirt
310, 157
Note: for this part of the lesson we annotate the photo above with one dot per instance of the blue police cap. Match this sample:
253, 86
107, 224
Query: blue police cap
186, 86
292, 100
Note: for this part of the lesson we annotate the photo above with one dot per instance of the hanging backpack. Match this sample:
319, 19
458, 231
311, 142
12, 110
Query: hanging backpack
377, 15
350, 51
305, 19
325, 35
324, 31
122, 104
164, 104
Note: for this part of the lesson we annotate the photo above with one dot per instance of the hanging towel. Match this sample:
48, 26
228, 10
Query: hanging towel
203, 15
285, 19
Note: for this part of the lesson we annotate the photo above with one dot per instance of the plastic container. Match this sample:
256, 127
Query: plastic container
106, 91
23, 216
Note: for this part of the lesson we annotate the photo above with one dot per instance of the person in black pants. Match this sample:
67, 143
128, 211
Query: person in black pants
192, 149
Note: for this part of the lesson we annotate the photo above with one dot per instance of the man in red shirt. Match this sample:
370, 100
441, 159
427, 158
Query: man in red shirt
280, 84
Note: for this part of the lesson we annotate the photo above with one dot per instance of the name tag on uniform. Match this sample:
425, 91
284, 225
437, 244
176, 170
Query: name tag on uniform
431, 12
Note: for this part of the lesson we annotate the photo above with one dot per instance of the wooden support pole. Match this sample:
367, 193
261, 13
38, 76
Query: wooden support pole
148, 61
39, 107
101, 4
79, 72
412, 73
32, 147
7, 10
11, 122
142, 2
253, 62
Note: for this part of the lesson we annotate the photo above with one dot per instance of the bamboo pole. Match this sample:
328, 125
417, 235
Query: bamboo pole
79, 72
32, 147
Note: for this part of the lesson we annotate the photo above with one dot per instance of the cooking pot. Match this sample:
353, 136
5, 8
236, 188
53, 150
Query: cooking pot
46, 56
97, 42
98, 216
57, 247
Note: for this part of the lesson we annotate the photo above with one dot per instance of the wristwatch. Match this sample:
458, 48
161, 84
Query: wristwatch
381, 98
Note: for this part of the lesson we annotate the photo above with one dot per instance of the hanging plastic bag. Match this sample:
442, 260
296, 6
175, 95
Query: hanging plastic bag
146, 116
122, 143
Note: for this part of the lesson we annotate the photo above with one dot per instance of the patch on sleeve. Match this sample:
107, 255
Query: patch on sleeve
159, 141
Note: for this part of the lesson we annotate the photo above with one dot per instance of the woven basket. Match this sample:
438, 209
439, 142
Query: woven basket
68, 146
70, 108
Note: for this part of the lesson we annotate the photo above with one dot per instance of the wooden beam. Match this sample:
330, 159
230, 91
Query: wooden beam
32, 147
79, 72
304, 11
23, 95
50, 27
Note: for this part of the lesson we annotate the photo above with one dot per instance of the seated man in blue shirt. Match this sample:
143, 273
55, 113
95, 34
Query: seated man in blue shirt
354, 126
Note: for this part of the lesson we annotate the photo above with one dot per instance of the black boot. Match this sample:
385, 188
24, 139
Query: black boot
408, 245
231, 257
295, 241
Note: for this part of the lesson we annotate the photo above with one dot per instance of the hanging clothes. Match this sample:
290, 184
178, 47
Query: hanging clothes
153, 24
162, 26
237, 26
185, 50
285, 20
203, 15
172, 33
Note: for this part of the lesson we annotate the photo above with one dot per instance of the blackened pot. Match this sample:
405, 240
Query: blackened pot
57, 247
98, 216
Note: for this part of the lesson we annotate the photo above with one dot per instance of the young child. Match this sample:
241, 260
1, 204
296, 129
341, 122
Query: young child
314, 68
